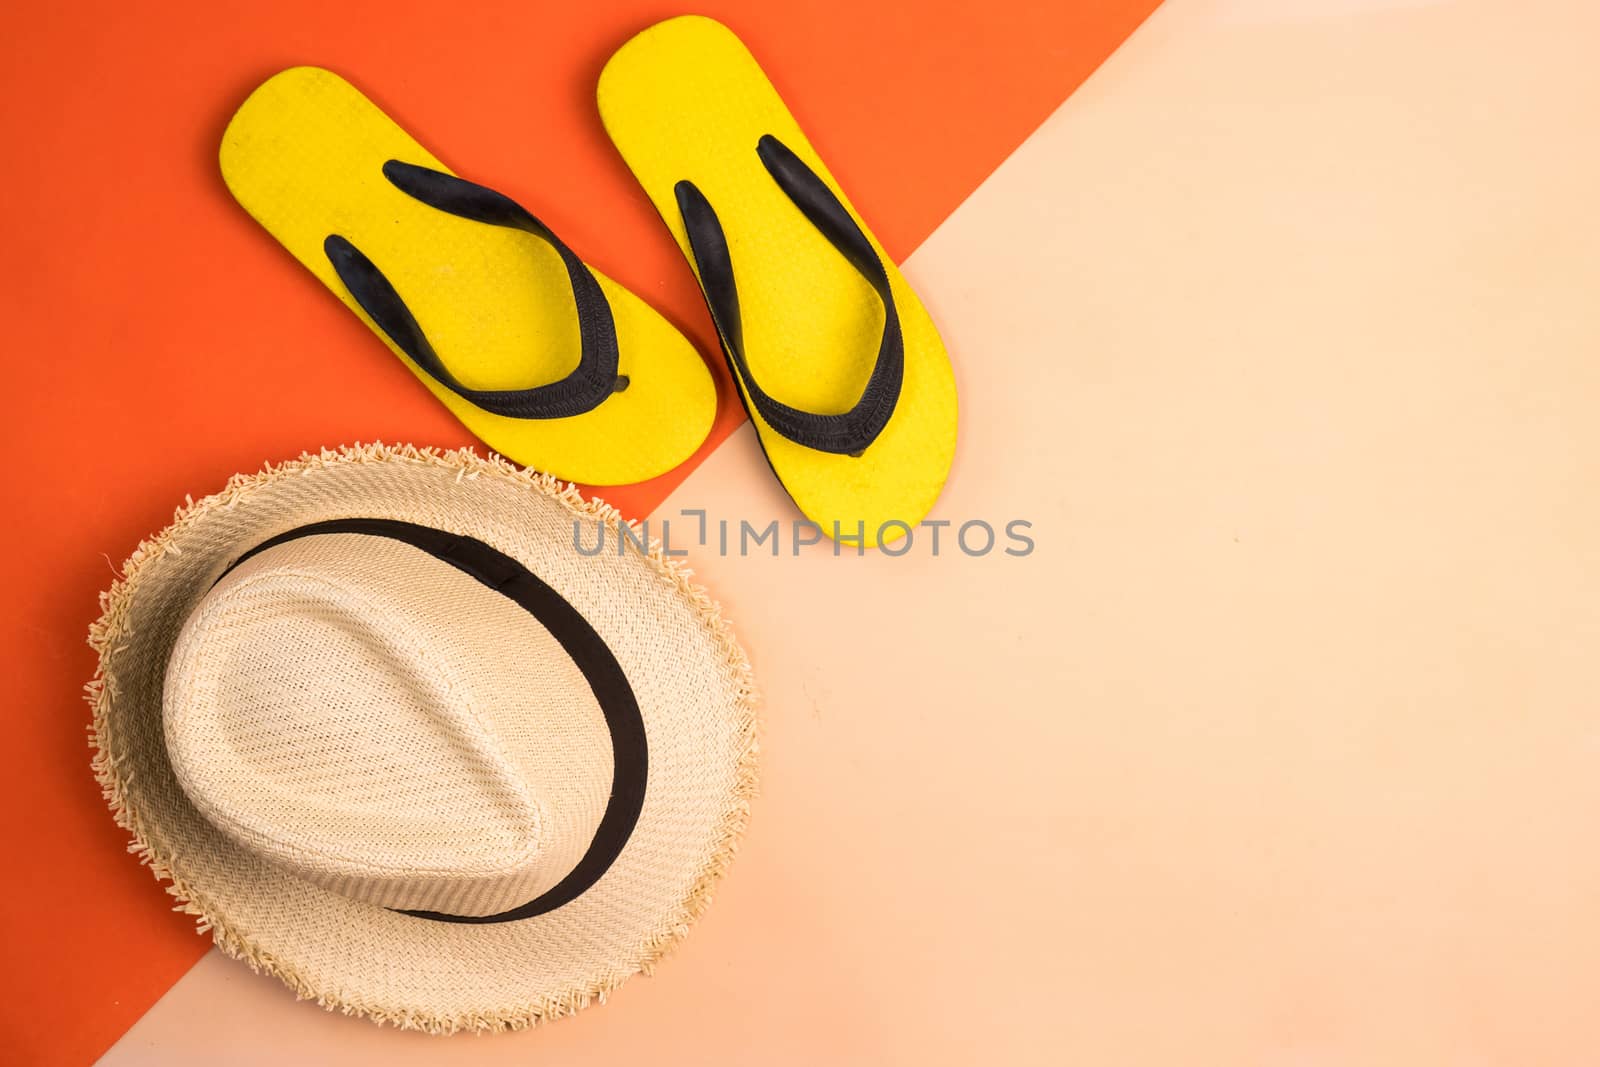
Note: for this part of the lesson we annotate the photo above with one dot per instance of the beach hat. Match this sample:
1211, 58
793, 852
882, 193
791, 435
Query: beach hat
395, 738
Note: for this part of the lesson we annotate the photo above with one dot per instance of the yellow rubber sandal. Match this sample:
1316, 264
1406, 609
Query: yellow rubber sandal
807, 306
544, 359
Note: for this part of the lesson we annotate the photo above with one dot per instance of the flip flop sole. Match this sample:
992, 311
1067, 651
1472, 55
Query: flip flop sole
304, 156
685, 101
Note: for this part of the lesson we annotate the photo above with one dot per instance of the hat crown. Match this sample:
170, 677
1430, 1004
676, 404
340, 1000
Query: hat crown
386, 726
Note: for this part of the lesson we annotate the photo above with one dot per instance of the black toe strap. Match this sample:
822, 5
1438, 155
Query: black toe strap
595, 377
850, 432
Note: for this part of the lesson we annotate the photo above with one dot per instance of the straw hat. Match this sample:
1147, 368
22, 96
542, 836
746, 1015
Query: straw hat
394, 740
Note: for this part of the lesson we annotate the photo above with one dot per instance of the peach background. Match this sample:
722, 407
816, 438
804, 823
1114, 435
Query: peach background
1281, 747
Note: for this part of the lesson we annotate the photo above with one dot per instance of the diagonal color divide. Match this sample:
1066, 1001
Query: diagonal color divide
1280, 748
162, 342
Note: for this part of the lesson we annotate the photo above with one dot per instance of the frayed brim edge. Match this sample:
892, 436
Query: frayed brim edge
105, 637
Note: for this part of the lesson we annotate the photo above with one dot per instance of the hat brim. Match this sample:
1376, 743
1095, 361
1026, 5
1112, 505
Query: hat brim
690, 676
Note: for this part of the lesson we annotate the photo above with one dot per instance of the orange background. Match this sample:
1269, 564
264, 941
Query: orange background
158, 341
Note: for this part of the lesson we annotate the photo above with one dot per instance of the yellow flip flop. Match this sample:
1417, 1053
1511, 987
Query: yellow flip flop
544, 359
839, 366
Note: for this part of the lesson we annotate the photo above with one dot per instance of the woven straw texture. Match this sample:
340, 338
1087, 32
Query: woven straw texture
384, 725
246, 875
